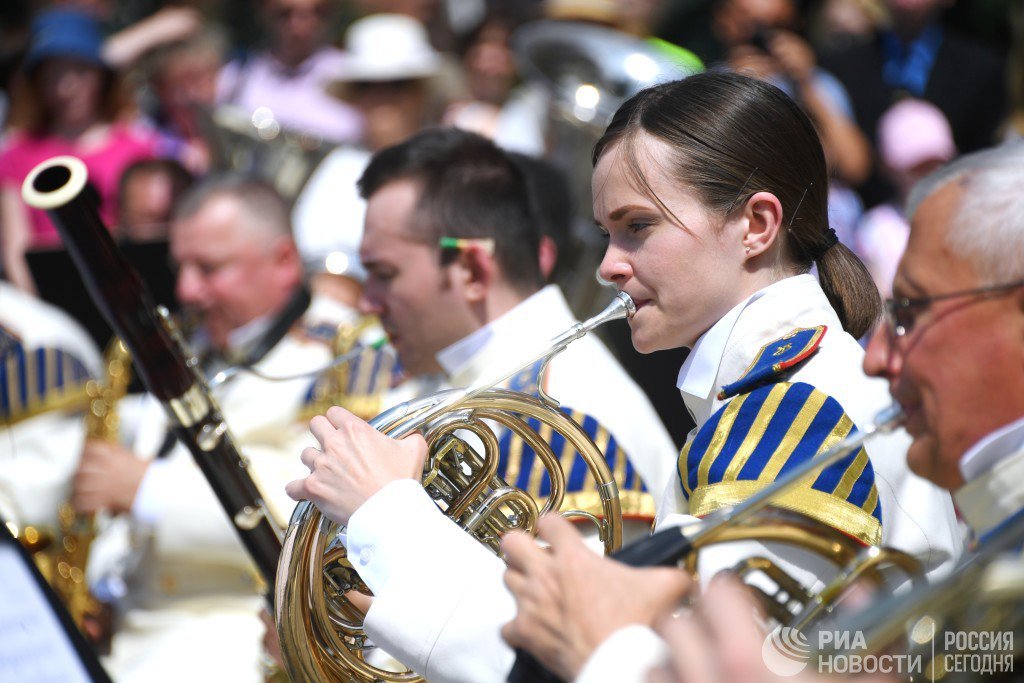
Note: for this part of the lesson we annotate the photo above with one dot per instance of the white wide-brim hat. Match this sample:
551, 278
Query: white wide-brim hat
388, 47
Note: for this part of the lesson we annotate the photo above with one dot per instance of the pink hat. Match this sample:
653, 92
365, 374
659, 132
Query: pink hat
912, 132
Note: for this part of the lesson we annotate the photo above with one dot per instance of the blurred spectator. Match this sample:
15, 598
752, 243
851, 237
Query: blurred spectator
914, 139
387, 65
838, 24
431, 14
149, 191
386, 75
760, 39
183, 82
920, 57
289, 77
68, 102
167, 25
498, 107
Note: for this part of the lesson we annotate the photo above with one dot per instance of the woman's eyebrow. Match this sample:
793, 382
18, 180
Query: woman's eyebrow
623, 210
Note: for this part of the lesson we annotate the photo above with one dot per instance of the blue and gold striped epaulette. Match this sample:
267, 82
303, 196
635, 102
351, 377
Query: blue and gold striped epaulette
366, 377
759, 435
527, 380
38, 380
520, 467
322, 332
775, 358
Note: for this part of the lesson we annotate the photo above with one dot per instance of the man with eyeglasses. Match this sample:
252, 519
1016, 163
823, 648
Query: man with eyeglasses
953, 344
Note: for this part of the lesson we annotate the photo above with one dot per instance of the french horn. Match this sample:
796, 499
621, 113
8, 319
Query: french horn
320, 623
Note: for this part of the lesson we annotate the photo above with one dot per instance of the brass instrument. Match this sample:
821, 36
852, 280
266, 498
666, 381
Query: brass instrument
757, 519
258, 145
333, 388
984, 594
320, 627
76, 532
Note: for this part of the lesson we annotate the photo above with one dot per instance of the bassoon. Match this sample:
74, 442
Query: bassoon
60, 187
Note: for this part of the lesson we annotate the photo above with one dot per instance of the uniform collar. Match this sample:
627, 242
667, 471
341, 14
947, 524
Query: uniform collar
994, 470
534, 320
767, 312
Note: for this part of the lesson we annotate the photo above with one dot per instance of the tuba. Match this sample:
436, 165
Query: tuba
319, 619
256, 144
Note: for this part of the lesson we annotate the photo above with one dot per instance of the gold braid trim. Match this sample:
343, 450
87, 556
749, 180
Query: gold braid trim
824, 507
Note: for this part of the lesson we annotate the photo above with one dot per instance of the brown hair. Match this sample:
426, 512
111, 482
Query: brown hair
28, 113
734, 136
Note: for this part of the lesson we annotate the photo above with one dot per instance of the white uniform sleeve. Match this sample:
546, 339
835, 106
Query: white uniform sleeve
624, 657
38, 457
440, 600
153, 496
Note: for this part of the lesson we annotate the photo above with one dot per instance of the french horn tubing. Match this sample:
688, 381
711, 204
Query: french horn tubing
319, 624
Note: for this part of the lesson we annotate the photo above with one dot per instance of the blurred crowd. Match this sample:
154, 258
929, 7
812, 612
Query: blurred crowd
295, 97
153, 95
156, 95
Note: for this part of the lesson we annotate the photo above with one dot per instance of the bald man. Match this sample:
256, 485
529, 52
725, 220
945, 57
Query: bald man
189, 596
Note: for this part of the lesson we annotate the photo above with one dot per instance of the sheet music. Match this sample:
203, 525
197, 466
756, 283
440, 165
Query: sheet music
33, 646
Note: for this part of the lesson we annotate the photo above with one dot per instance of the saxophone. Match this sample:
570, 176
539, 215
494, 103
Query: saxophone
76, 532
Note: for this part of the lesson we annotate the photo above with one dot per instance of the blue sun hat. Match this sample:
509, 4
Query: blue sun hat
65, 33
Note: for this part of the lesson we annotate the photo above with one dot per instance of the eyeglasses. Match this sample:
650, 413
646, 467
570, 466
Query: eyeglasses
901, 314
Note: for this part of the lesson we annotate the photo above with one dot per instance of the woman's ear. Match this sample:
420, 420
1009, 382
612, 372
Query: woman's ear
763, 212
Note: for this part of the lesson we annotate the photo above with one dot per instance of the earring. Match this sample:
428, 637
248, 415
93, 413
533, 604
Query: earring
747, 249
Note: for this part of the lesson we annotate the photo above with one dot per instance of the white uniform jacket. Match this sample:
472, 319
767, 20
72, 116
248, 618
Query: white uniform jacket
439, 598
192, 595
46, 357
918, 517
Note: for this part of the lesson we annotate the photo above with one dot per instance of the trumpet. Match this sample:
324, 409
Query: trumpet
319, 624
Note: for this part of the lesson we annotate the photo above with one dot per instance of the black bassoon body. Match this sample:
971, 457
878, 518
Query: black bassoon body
60, 186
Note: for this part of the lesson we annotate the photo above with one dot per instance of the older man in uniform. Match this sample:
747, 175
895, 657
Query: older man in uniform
189, 596
451, 253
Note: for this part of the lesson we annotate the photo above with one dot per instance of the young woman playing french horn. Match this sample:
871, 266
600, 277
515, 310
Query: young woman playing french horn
713, 194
